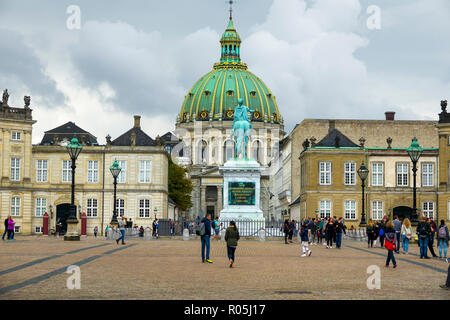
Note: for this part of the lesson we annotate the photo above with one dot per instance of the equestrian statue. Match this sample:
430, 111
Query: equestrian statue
241, 130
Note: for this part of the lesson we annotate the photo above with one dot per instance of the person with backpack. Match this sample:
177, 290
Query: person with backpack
286, 231
6, 228
442, 239
204, 231
382, 227
95, 231
370, 230
376, 231
398, 229
232, 238
304, 235
423, 232
431, 237
406, 234
340, 229
313, 231
390, 241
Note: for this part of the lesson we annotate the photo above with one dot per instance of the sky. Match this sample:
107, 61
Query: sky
346, 59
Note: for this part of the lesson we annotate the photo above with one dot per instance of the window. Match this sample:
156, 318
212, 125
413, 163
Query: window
38, 229
349, 173
144, 208
402, 174
144, 171
377, 210
120, 207
66, 171
325, 209
16, 229
92, 174
42, 173
41, 206
256, 151
15, 206
15, 169
15, 135
350, 210
427, 174
122, 178
228, 150
428, 209
91, 208
377, 174
324, 173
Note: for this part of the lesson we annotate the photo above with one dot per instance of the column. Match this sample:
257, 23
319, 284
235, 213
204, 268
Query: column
203, 199
5, 153
219, 199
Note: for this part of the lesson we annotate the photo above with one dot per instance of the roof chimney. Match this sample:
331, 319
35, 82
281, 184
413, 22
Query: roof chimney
137, 121
390, 115
331, 125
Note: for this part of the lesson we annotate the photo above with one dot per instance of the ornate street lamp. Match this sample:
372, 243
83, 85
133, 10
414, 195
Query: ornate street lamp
73, 148
115, 171
414, 152
155, 210
363, 172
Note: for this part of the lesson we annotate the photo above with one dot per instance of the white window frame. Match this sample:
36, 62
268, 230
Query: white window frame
428, 175
16, 229
144, 208
325, 208
350, 173
350, 210
122, 178
145, 171
120, 207
15, 169
377, 174
16, 135
428, 209
15, 207
38, 229
42, 170
66, 173
377, 212
92, 171
41, 207
324, 173
402, 176
91, 208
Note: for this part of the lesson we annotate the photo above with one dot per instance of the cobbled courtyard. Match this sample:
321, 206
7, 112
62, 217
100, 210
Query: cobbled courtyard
35, 268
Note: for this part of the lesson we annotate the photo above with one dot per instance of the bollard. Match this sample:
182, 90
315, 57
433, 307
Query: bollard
262, 235
147, 234
222, 234
186, 234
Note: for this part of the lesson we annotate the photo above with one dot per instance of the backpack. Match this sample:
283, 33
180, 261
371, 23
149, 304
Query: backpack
423, 230
442, 234
200, 231
381, 232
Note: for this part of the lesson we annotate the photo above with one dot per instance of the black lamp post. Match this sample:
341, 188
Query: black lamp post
414, 152
73, 148
363, 173
115, 171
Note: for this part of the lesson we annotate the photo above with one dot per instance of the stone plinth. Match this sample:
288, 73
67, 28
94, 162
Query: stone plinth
72, 230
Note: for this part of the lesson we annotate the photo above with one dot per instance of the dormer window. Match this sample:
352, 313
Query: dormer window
253, 94
207, 93
230, 93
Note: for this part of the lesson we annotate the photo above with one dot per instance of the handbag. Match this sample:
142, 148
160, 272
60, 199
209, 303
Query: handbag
389, 245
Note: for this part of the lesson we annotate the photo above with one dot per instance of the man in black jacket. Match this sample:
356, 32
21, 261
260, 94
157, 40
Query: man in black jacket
339, 229
6, 228
205, 238
423, 232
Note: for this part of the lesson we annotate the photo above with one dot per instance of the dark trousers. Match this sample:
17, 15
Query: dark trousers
339, 239
10, 234
290, 235
430, 245
122, 237
397, 233
448, 278
382, 240
286, 234
230, 252
205, 247
4, 233
390, 257
330, 237
370, 238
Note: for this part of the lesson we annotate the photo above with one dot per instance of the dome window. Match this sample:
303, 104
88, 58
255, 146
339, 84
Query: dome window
230, 93
207, 93
253, 94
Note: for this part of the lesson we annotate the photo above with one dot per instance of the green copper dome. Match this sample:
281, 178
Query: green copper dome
216, 94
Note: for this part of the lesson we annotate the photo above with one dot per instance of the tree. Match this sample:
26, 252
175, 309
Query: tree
180, 187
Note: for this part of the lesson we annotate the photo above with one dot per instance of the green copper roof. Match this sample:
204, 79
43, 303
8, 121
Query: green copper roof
216, 94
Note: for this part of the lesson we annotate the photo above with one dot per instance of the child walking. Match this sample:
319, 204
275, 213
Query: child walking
305, 241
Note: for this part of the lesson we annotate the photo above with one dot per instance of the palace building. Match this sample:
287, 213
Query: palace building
205, 120
36, 179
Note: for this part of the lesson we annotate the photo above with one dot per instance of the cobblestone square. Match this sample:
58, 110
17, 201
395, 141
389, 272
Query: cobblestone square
35, 268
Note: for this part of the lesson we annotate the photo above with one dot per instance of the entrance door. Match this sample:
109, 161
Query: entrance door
210, 210
403, 212
62, 214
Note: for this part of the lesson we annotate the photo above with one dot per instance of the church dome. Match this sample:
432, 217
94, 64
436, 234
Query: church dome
216, 94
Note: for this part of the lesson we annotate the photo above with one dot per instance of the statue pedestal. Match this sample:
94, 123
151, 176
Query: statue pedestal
72, 231
241, 190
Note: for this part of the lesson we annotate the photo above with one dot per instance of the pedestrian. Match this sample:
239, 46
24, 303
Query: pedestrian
324, 230
122, 225
339, 229
106, 231
291, 230
376, 233
305, 241
370, 233
205, 237
390, 236
382, 227
6, 227
232, 238
397, 229
330, 231
295, 229
423, 232
155, 228
216, 227
406, 234
446, 286
431, 236
313, 231
286, 231
319, 225
442, 239
141, 232
95, 231
11, 224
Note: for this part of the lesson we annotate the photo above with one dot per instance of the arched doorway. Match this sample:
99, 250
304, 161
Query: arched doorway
62, 214
403, 212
